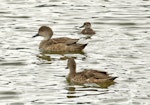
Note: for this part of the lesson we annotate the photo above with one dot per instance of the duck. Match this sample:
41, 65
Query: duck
87, 76
57, 45
87, 29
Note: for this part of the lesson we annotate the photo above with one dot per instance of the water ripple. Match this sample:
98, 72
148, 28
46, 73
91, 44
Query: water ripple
120, 47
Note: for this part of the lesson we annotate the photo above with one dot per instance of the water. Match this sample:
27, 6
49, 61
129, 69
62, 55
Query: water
121, 47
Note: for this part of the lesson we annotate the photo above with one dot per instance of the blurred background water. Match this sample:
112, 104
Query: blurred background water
120, 47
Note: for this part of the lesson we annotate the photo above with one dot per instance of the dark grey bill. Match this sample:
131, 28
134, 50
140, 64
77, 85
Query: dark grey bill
35, 35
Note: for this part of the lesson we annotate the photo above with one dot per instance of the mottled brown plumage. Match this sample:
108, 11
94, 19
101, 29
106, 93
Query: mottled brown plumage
87, 29
86, 76
58, 45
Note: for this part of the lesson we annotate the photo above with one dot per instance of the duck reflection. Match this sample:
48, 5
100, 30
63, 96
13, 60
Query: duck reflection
75, 91
71, 92
44, 56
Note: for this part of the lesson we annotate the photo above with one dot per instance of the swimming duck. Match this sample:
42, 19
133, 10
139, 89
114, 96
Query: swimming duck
86, 76
87, 29
57, 45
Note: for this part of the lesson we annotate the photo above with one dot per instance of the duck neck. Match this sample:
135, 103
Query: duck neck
47, 38
72, 71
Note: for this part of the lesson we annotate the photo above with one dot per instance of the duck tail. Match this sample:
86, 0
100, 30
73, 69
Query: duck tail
113, 78
82, 46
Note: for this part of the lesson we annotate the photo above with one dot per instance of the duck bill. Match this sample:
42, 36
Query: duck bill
35, 35
81, 26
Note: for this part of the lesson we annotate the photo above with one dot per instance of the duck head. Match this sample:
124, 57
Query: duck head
45, 32
86, 25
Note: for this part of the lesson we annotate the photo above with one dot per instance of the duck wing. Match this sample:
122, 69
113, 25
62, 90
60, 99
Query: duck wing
65, 40
96, 74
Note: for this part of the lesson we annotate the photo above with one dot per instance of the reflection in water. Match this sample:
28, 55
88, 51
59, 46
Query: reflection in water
17, 103
66, 57
71, 92
62, 53
44, 57
80, 91
8, 95
106, 84
47, 57
99, 85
